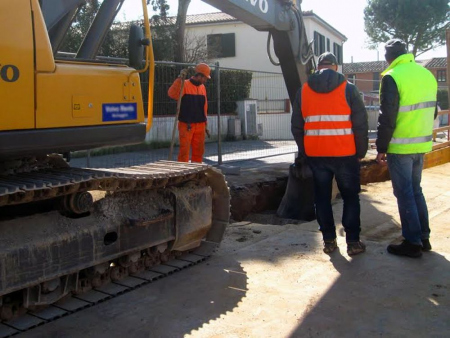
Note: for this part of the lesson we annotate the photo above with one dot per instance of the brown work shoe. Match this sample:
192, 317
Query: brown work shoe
354, 248
329, 246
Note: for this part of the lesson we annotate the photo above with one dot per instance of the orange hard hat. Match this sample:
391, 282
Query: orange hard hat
204, 69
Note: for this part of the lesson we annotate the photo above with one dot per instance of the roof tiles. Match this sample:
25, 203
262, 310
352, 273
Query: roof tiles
379, 66
364, 67
436, 63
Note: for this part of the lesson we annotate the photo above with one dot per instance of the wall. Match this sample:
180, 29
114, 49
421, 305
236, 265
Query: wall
313, 24
275, 126
443, 84
250, 45
268, 86
364, 82
251, 51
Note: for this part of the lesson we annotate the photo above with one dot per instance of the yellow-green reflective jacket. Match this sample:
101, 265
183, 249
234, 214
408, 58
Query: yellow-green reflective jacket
417, 89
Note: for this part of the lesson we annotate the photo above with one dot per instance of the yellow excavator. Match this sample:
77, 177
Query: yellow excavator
66, 230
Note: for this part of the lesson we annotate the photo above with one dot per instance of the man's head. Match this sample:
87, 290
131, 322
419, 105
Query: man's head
394, 48
202, 72
327, 60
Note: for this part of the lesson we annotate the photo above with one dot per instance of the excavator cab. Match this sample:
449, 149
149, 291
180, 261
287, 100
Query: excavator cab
57, 102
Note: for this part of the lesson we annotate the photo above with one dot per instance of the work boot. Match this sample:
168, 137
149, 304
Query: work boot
354, 248
405, 249
329, 246
426, 246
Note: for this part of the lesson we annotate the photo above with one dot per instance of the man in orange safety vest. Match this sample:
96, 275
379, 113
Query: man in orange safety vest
192, 119
330, 125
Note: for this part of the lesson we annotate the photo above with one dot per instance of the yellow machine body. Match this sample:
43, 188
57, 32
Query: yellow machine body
48, 103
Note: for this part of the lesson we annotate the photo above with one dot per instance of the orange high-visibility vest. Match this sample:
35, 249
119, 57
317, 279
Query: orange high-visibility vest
328, 127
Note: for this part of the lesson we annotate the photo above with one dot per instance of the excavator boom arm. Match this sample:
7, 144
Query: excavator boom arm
283, 19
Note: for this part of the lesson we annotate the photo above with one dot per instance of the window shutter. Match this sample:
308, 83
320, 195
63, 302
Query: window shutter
228, 45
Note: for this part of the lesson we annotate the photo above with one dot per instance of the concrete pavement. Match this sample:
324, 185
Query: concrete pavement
271, 279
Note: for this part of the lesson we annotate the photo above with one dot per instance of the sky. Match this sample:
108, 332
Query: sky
349, 22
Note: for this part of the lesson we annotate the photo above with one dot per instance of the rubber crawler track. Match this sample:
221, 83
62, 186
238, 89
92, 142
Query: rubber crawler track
50, 183
111, 290
40, 185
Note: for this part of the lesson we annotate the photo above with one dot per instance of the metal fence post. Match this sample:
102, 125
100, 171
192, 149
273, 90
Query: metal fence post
219, 139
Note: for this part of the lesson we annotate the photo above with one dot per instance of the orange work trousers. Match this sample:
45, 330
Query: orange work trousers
192, 135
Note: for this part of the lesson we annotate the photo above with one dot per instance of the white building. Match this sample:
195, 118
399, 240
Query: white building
244, 47
237, 45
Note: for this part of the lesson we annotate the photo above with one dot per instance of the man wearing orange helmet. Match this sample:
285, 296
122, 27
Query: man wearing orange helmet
193, 112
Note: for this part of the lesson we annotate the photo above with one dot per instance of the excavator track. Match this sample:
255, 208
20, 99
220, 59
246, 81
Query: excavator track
77, 303
51, 183
150, 221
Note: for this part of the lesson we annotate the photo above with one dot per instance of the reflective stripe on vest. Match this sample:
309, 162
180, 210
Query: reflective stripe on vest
412, 140
405, 109
327, 118
328, 126
417, 88
328, 132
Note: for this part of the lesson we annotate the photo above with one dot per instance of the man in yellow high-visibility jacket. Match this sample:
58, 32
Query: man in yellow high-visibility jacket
405, 127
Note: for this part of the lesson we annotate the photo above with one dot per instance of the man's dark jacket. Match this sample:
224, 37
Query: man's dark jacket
325, 81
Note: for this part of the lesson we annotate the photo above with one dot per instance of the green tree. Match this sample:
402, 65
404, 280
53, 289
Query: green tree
116, 41
80, 26
420, 23
163, 33
160, 6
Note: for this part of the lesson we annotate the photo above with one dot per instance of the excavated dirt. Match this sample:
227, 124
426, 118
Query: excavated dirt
256, 190
259, 189
144, 205
372, 172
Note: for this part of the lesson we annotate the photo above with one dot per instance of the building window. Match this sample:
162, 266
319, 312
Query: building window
441, 76
376, 81
322, 44
319, 43
221, 45
337, 51
351, 78
328, 45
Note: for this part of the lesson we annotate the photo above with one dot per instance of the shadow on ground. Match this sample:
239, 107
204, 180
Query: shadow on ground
383, 296
170, 307
237, 292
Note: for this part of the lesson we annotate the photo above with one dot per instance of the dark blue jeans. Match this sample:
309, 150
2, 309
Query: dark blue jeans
406, 174
346, 170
